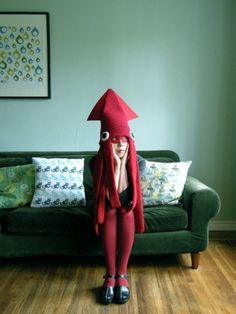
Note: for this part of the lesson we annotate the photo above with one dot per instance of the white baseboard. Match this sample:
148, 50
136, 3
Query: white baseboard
224, 225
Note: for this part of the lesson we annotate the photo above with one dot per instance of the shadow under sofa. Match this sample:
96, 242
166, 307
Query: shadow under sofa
68, 231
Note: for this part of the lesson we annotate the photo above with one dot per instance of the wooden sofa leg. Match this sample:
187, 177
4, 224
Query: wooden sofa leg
195, 258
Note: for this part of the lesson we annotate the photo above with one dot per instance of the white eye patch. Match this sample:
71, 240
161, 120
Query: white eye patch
105, 136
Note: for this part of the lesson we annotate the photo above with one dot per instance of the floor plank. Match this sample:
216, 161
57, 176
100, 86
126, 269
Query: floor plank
162, 284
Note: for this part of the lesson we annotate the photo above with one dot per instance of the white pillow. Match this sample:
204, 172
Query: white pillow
58, 182
163, 183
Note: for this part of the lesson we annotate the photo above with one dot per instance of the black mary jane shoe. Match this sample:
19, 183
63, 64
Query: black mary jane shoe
107, 292
122, 293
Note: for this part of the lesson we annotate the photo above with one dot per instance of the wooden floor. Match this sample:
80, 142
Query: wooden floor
164, 284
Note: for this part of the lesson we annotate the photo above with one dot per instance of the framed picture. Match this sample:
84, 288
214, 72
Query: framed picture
24, 55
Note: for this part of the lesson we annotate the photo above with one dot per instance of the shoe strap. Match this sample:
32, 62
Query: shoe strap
109, 276
122, 276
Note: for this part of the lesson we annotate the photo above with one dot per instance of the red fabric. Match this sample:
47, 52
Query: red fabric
114, 113
117, 236
126, 231
123, 139
109, 242
104, 177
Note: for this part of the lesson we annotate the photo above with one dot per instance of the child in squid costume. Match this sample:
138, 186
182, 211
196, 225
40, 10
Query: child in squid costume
118, 208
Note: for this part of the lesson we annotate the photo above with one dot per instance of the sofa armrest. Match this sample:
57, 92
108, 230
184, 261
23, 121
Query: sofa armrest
201, 202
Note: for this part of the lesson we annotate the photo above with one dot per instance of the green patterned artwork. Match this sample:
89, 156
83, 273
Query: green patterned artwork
24, 55
21, 54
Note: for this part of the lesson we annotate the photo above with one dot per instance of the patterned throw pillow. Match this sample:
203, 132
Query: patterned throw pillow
58, 182
163, 183
16, 185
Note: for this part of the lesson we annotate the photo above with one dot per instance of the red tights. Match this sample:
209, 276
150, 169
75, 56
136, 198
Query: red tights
117, 236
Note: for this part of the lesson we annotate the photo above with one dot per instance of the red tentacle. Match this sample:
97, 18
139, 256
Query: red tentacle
134, 177
99, 188
110, 175
104, 177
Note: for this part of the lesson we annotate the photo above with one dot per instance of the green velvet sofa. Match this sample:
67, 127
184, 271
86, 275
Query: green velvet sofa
27, 231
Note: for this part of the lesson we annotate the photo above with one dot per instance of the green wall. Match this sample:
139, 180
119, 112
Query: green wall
173, 61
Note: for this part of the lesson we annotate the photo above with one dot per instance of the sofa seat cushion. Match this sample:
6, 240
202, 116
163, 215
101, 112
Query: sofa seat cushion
48, 221
78, 220
165, 218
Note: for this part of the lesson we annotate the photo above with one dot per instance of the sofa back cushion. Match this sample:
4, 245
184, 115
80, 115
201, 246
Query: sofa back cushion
163, 182
16, 185
58, 182
15, 158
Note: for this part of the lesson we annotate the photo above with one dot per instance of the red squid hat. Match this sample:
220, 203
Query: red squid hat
114, 113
